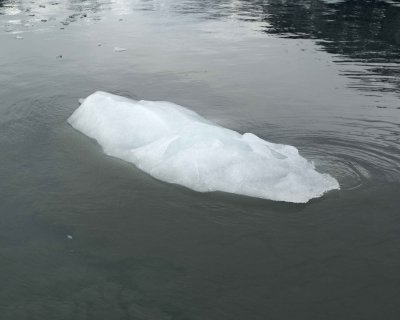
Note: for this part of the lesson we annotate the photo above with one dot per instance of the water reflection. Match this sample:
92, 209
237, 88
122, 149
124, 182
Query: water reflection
363, 32
365, 35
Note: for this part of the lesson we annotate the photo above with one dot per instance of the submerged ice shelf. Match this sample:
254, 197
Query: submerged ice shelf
176, 145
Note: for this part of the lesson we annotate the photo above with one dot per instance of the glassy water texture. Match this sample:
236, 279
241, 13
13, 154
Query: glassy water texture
85, 236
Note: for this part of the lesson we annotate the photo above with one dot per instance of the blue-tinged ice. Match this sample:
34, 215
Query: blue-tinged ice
176, 145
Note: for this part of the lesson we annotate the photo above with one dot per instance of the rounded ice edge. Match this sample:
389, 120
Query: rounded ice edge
177, 145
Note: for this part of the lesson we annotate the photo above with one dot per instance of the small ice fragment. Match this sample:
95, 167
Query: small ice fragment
19, 37
118, 49
81, 101
69, 236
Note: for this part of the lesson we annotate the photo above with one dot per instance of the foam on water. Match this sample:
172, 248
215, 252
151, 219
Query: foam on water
176, 145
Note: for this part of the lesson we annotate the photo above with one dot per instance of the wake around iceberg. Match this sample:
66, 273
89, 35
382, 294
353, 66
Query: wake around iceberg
176, 145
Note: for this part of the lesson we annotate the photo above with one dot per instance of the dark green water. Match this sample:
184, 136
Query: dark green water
85, 236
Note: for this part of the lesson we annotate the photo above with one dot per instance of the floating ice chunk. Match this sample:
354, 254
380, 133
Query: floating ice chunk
118, 49
19, 37
177, 145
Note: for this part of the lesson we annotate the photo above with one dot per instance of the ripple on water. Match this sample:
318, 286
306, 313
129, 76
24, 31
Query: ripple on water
355, 154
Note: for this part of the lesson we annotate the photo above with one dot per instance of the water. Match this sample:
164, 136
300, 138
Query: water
85, 236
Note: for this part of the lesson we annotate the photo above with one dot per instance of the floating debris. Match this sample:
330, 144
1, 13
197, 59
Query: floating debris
118, 49
59, 56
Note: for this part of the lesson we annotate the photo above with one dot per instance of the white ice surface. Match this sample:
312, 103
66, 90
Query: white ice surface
176, 145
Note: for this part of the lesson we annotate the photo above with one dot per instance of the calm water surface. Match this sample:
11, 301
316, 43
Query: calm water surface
85, 236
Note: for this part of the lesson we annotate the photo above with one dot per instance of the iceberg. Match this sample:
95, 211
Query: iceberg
177, 145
